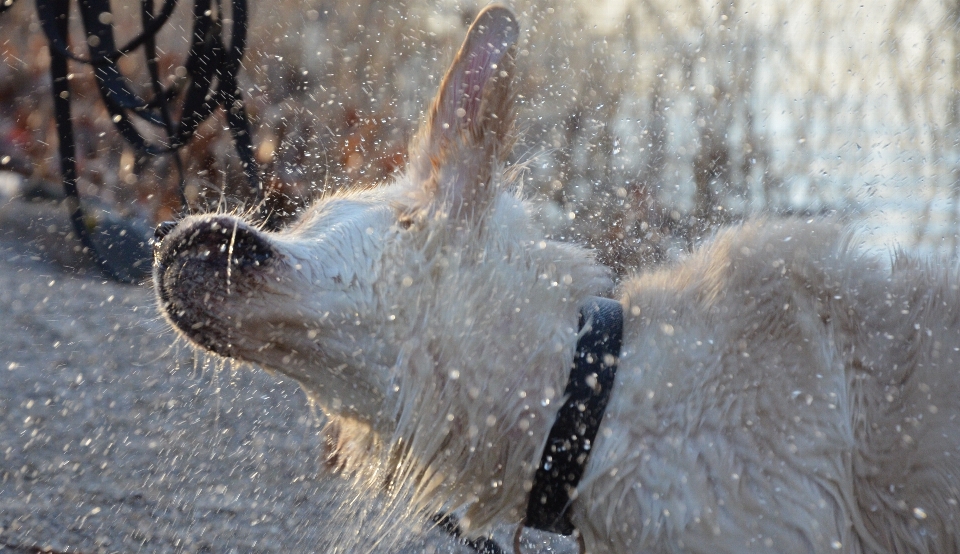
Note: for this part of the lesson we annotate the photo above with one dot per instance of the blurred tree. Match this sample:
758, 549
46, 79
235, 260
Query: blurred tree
644, 123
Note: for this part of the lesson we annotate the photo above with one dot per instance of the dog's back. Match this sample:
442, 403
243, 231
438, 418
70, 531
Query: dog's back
780, 392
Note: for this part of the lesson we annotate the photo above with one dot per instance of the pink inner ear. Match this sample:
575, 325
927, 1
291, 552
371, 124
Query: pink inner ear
461, 94
480, 66
470, 120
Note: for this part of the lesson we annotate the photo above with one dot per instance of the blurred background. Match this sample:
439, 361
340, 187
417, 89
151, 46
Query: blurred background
644, 123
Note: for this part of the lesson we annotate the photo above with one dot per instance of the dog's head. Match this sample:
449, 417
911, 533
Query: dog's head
360, 285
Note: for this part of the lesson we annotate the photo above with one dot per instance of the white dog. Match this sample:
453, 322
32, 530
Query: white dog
776, 391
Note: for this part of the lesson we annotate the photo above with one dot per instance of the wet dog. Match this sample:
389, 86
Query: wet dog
777, 390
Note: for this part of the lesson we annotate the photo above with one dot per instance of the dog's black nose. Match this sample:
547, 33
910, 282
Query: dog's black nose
213, 242
163, 229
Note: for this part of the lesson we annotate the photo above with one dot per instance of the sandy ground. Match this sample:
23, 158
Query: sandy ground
112, 440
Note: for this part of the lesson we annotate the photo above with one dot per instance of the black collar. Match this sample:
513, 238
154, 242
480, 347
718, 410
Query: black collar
588, 391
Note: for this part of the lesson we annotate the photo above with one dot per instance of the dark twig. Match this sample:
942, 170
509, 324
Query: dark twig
212, 68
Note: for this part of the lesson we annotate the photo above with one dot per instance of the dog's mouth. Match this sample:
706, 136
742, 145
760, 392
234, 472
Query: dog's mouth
239, 293
204, 265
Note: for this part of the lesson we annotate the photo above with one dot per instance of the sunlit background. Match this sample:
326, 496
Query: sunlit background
644, 123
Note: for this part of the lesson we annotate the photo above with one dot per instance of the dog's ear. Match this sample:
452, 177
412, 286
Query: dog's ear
468, 132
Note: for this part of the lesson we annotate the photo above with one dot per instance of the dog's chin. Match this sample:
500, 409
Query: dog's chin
289, 353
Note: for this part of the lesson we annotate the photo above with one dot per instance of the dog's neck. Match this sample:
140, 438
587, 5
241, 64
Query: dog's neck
482, 363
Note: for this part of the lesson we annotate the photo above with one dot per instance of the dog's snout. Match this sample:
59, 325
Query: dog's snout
200, 263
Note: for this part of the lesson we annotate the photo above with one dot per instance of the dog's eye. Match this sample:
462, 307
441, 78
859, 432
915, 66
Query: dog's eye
405, 222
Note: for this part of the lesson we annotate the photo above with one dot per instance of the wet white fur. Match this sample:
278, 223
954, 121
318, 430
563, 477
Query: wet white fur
781, 392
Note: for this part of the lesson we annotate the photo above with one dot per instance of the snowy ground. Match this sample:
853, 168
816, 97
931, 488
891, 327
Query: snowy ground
111, 440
